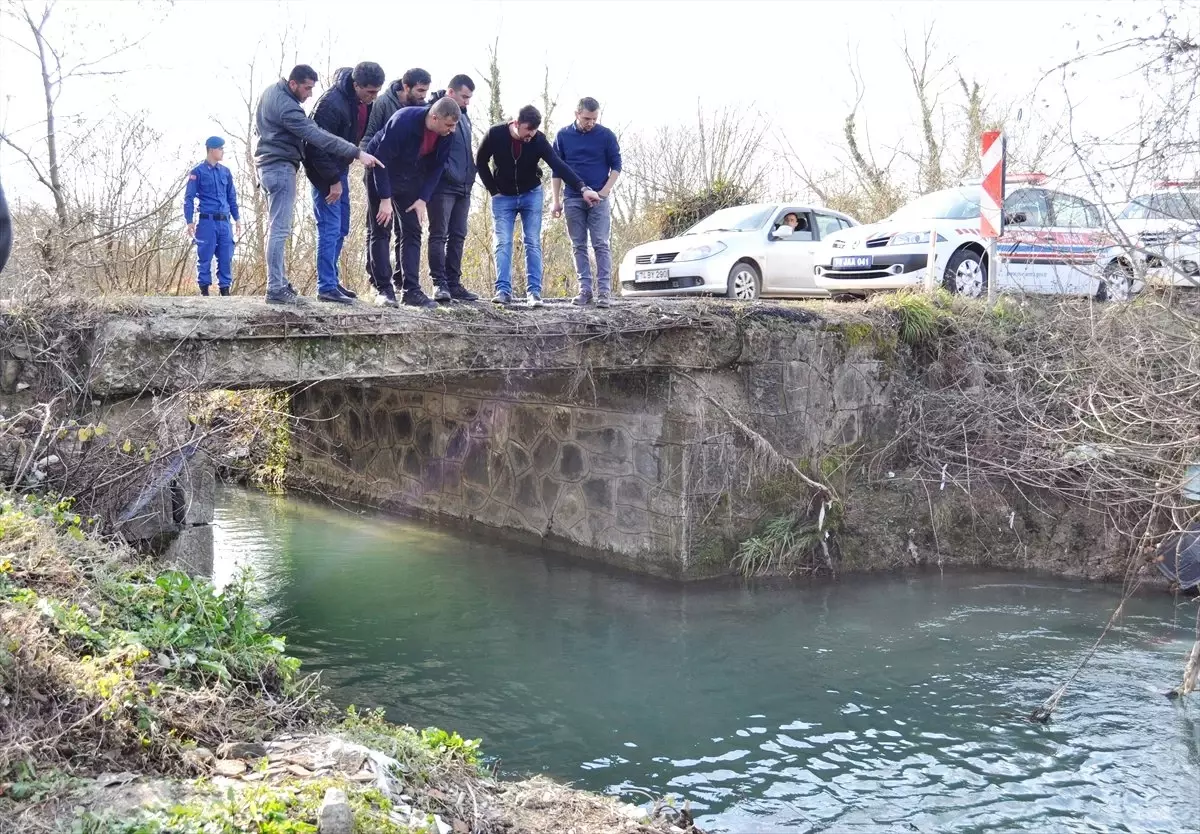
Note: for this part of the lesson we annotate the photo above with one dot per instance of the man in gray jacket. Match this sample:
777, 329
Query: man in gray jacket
282, 131
407, 91
451, 202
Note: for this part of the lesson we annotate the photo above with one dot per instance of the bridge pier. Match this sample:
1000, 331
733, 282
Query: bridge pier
645, 469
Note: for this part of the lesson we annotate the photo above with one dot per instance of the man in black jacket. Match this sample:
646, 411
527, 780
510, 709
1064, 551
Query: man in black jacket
343, 110
451, 202
517, 148
408, 91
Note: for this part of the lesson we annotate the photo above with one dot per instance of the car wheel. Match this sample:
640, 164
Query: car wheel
744, 282
965, 274
1117, 283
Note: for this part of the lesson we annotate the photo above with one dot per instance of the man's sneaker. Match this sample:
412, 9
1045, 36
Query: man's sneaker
416, 298
346, 292
502, 298
533, 299
284, 296
582, 300
224, 290
204, 289
604, 300
334, 297
460, 293
442, 294
386, 298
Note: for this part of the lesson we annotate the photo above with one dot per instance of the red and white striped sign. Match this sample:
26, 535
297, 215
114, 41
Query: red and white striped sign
991, 201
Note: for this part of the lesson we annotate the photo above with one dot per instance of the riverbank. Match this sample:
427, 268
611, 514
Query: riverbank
139, 701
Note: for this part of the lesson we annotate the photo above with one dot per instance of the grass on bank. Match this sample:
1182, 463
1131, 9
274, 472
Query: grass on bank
108, 665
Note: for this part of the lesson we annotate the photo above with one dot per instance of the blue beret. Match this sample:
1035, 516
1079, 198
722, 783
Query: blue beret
214, 142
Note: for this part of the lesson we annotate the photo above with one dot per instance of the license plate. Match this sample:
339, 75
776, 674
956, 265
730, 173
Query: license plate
645, 276
852, 262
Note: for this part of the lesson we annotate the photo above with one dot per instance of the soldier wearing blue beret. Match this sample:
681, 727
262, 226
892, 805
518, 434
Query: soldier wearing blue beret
211, 183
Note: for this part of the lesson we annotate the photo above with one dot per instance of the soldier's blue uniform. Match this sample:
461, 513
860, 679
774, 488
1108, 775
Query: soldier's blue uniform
213, 185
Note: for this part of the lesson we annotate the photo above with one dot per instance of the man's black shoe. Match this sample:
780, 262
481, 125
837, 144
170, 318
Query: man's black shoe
284, 296
502, 298
224, 290
418, 299
204, 289
346, 292
442, 294
334, 297
386, 298
460, 293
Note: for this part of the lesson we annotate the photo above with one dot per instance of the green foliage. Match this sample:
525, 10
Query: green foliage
676, 216
788, 544
287, 808
258, 421
921, 317
17, 510
418, 752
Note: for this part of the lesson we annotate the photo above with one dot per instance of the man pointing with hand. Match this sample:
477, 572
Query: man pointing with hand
414, 146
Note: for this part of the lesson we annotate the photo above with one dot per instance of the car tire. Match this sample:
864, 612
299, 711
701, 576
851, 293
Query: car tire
965, 274
745, 283
1117, 283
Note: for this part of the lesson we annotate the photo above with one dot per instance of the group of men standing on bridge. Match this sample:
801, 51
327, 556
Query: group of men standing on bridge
420, 168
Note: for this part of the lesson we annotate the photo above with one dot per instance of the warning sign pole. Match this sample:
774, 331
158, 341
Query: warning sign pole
992, 159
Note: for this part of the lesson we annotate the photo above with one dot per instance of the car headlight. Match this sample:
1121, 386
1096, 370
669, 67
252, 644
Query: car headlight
699, 253
911, 238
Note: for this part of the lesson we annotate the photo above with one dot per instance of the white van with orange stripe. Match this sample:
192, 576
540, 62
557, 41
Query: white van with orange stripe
1053, 243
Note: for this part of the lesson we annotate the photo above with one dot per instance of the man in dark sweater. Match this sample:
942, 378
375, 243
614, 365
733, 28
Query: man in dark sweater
407, 91
517, 148
592, 150
342, 110
452, 202
414, 146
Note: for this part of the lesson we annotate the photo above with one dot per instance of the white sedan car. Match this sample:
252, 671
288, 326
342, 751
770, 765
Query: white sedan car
743, 252
1053, 243
1164, 230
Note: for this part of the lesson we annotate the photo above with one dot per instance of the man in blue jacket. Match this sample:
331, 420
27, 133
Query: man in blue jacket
407, 91
342, 110
211, 183
413, 148
452, 202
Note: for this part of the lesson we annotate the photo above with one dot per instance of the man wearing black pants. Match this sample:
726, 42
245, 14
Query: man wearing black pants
407, 91
414, 146
451, 202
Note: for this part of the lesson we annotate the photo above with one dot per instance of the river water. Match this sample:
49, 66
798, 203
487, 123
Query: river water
890, 703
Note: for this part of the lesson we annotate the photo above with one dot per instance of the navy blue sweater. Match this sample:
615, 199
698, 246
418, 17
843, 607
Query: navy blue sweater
398, 146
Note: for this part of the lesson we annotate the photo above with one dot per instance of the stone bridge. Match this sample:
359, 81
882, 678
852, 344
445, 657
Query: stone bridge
634, 435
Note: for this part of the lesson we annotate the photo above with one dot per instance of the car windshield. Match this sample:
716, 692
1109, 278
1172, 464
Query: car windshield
736, 219
1180, 205
951, 204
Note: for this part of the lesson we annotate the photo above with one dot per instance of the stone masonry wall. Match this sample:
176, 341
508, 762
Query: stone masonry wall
642, 469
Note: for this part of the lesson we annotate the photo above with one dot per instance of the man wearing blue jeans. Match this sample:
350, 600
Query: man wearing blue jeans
593, 151
282, 131
342, 110
516, 149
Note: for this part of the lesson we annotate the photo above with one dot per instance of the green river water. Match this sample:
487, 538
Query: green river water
889, 703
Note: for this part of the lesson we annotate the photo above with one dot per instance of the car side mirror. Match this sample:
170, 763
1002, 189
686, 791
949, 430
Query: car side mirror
780, 232
1016, 218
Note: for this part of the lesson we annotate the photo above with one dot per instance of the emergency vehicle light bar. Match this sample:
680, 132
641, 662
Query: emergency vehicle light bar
1030, 178
1179, 183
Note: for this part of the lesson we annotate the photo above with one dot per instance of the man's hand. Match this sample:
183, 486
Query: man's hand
191, 230
590, 197
335, 193
556, 209
384, 217
419, 208
237, 228
368, 161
